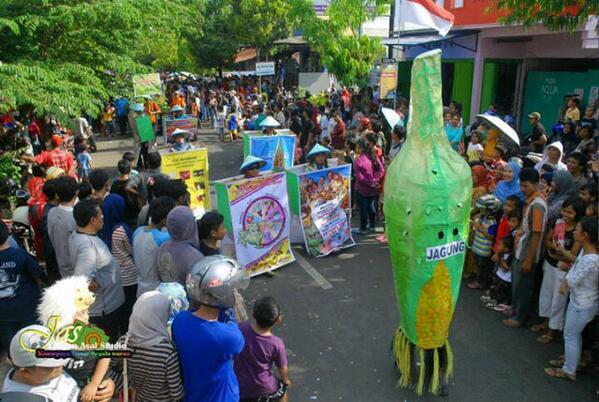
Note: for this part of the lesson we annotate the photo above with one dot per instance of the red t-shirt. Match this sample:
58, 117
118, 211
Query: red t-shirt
503, 229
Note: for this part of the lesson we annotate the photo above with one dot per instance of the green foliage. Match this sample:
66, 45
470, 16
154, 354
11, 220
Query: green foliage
555, 15
232, 24
63, 55
347, 54
218, 43
9, 165
319, 100
261, 22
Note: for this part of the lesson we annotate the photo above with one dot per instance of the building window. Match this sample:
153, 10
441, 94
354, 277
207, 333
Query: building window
440, 3
458, 3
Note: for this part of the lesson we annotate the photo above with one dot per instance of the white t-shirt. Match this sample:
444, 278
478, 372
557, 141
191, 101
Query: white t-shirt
505, 275
62, 388
220, 120
474, 151
81, 126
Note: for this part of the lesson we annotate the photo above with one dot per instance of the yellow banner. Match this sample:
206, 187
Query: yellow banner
192, 168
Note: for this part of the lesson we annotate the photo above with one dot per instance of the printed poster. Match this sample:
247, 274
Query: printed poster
147, 84
192, 168
260, 220
325, 208
265, 147
187, 123
388, 80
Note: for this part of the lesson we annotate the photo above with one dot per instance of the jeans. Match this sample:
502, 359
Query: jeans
367, 205
576, 319
484, 269
523, 285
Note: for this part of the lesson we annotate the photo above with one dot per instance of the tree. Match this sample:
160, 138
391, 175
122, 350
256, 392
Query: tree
59, 56
555, 15
260, 23
218, 42
337, 38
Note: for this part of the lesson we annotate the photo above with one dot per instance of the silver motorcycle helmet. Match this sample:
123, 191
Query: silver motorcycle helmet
213, 280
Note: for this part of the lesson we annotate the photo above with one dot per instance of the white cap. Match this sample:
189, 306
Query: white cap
25, 342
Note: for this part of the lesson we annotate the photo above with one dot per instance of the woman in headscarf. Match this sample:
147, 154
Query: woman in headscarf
177, 255
552, 156
113, 209
121, 246
562, 187
510, 185
153, 369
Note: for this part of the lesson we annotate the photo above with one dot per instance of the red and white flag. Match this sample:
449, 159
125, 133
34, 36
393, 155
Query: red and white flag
411, 15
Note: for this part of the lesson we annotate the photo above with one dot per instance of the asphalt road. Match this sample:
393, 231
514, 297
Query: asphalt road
338, 339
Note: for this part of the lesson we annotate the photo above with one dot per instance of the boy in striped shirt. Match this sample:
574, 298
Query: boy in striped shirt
485, 230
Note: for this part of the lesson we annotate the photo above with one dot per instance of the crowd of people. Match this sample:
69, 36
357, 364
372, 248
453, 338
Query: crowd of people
533, 245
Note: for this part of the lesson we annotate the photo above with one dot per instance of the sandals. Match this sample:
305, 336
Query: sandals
545, 338
539, 327
474, 285
512, 323
559, 373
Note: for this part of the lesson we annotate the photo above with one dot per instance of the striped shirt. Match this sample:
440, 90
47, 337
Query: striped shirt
123, 254
482, 245
155, 373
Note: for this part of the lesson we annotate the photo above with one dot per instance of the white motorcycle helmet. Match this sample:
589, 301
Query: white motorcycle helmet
212, 281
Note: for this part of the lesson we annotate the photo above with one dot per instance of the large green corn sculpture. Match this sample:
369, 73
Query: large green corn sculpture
428, 189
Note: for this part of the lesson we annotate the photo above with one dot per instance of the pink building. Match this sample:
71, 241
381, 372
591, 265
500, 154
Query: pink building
517, 70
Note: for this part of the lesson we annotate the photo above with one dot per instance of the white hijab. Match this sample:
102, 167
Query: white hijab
147, 325
560, 165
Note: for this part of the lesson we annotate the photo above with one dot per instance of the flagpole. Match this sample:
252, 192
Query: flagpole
397, 14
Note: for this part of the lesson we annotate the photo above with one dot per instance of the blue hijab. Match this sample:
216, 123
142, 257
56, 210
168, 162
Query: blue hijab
506, 188
113, 209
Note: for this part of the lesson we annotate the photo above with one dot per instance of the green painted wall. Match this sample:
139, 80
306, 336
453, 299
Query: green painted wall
545, 90
462, 86
489, 84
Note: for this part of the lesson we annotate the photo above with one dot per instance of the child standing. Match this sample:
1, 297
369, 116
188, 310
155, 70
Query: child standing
211, 230
84, 162
232, 125
485, 230
500, 291
475, 149
219, 123
262, 350
511, 204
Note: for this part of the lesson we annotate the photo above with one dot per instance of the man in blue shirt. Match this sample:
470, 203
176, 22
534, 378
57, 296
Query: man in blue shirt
208, 339
122, 111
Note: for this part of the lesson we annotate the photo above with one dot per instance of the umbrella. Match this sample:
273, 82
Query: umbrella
392, 117
269, 121
502, 126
